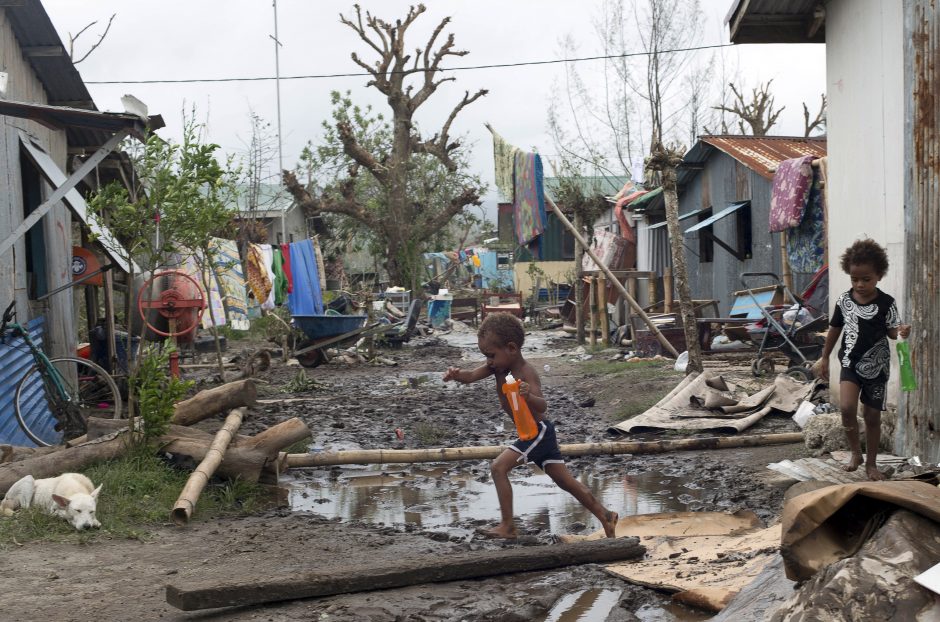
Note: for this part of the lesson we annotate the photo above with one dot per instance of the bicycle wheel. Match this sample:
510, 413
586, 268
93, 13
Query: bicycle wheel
91, 392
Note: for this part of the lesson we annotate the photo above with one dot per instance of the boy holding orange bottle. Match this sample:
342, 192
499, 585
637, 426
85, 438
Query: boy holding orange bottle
500, 338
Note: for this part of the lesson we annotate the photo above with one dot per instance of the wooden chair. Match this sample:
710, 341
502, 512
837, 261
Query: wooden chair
508, 302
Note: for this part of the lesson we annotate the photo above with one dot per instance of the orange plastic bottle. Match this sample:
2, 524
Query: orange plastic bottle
521, 415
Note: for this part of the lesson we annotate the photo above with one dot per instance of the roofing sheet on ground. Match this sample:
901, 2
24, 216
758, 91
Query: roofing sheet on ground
683, 407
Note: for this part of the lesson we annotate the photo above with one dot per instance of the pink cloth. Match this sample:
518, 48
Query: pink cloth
792, 184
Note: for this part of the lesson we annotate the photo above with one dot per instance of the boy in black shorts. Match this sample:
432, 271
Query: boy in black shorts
500, 339
868, 316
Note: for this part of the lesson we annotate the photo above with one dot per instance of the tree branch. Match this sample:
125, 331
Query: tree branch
101, 37
439, 145
313, 206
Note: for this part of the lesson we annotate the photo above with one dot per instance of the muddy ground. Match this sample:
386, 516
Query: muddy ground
363, 406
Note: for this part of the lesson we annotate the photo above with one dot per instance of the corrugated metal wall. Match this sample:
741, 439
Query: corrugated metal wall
919, 411
724, 181
15, 360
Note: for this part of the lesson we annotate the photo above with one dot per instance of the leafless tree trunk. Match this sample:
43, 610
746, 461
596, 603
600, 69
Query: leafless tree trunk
100, 40
665, 160
758, 113
400, 223
819, 122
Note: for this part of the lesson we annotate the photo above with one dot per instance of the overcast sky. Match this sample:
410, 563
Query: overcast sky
191, 39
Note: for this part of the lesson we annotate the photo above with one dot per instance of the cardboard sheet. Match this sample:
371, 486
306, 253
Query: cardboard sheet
683, 408
678, 524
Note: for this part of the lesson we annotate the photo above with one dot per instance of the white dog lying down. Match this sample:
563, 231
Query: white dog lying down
71, 496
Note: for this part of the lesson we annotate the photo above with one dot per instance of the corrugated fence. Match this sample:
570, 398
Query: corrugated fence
15, 361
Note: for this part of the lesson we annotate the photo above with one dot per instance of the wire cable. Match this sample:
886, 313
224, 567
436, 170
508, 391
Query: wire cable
366, 74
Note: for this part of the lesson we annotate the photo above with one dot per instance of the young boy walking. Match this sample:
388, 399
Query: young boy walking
868, 317
500, 338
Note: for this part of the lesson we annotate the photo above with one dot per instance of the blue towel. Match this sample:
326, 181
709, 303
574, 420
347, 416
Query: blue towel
306, 298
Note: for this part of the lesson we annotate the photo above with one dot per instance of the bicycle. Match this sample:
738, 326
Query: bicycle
74, 389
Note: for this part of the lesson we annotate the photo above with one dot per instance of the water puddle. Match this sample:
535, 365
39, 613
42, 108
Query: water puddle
452, 498
584, 606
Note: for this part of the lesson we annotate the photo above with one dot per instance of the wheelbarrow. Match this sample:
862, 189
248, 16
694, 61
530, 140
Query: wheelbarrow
322, 331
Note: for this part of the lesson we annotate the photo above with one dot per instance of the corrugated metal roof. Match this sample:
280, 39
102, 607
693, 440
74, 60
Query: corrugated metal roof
15, 360
761, 154
607, 186
777, 21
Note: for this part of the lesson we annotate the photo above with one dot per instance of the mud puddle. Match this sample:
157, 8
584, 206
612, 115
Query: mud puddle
455, 499
538, 344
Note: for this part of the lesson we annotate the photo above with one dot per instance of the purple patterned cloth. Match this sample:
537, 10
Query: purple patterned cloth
806, 243
792, 183
528, 206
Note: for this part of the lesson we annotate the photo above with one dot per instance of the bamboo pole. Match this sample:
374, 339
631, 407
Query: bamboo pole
186, 503
578, 282
610, 275
454, 454
785, 262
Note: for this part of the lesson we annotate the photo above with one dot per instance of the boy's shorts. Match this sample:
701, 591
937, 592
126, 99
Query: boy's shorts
542, 450
872, 393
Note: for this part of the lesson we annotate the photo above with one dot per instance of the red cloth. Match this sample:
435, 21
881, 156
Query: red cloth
285, 250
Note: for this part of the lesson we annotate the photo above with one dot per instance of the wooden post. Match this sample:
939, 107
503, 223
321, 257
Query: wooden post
667, 290
109, 322
578, 281
592, 300
623, 292
602, 321
785, 262
631, 290
652, 292
222, 592
186, 503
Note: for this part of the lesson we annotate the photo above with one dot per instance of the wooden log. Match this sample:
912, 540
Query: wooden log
277, 437
404, 572
56, 463
215, 400
186, 503
244, 463
451, 454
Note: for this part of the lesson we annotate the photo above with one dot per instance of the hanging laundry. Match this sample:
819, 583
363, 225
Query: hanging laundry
806, 243
321, 266
280, 279
528, 208
503, 159
792, 184
227, 271
267, 253
285, 251
306, 297
258, 280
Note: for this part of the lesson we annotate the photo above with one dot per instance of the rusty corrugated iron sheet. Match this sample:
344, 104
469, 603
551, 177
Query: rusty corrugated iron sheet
918, 430
763, 154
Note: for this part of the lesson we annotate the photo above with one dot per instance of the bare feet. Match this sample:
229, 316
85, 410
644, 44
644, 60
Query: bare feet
854, 462
610, 524
873, 473
507, 532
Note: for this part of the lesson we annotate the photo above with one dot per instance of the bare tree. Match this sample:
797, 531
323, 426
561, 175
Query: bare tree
758, 113
402, 224
101, 37
817, 123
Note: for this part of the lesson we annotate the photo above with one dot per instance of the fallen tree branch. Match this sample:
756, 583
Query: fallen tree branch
216, 400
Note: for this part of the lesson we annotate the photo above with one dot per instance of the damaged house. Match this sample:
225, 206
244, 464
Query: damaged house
51, 138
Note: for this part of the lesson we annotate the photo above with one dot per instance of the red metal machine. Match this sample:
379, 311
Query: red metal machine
179, 302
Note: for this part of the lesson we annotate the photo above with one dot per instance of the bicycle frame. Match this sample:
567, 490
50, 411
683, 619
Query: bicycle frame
47, 371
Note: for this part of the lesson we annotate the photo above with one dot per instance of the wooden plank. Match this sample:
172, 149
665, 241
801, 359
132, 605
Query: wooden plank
405, 572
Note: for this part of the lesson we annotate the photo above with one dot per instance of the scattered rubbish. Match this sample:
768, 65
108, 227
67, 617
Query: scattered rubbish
803, 413
587, 403
400, 434
830, 470
682, 363
824, 408
584, 605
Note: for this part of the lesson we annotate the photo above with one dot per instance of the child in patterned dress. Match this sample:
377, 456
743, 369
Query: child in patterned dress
868, 317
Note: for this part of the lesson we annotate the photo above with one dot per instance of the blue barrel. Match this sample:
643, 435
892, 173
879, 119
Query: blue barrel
438, 312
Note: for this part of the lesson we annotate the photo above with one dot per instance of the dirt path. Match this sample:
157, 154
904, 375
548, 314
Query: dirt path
363, 406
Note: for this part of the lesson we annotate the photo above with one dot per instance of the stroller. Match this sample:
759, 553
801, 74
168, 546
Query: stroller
791, 329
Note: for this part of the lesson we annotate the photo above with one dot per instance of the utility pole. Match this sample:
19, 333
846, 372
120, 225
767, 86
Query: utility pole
277, 83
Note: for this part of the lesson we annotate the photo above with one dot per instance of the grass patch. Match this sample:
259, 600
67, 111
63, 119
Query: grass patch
139, 492
428, 433
639, 370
